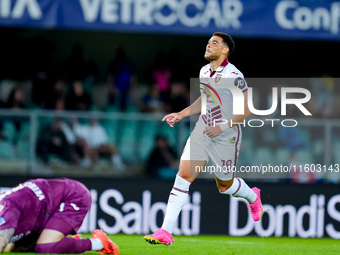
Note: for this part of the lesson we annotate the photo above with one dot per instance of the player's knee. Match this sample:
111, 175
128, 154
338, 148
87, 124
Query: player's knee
184, 175
45, 247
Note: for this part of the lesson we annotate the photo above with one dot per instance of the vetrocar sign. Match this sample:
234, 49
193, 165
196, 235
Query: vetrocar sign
223, 14
279, 19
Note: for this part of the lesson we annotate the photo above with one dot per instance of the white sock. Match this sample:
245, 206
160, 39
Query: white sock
240, 189
177, 199
97, 245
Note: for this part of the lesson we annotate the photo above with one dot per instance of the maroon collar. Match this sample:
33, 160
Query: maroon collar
225, 63
220, 68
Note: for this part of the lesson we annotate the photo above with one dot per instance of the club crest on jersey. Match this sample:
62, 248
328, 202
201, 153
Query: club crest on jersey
218, 77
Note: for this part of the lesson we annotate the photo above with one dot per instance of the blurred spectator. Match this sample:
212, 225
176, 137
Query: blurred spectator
52, 140
161, 74
179, 97
295, 141
99, 143
55, 98
16, 101
293, 138
78, 99
177, 66
121, 77
39, 55
40, 89
77, 66
153, 101
94, 142
2, 134
163, 161
75, 134
60, 104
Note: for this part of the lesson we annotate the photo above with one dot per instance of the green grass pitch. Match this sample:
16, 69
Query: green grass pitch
211, 245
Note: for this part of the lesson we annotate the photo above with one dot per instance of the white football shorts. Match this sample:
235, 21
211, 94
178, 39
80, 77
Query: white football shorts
223, 154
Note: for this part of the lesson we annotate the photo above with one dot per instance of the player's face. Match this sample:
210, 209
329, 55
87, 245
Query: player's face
215, 48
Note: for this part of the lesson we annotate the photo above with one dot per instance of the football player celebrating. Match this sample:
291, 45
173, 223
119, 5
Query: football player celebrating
220, 143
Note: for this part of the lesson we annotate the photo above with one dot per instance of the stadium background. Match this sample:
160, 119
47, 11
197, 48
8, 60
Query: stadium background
35, 54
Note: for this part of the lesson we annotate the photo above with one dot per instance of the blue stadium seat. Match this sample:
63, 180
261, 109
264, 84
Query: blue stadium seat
146, 146
127, 151
336, 152
318, 147
6, 150
111, 130
23, 149
170, 133
304, 157
264, 156
9, 130
282, 156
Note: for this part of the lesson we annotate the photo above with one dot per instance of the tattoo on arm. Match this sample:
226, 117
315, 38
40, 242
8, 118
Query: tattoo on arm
5, 237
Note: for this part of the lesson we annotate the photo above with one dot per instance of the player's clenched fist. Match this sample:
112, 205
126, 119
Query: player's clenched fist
172, 118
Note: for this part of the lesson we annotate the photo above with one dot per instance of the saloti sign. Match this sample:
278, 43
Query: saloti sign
285, 19
131, 217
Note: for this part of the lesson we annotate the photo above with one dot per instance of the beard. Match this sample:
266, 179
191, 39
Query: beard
211, 56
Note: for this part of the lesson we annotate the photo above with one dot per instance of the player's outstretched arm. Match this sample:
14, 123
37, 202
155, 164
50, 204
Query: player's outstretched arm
194, 108
5, 237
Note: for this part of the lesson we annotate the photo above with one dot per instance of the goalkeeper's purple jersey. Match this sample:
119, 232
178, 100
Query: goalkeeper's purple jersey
28, 207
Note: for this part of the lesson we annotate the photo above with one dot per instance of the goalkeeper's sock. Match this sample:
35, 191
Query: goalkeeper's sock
96, 244
240, 189
65, 245
177, 199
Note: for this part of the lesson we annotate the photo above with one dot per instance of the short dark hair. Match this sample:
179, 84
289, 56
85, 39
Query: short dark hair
227, 40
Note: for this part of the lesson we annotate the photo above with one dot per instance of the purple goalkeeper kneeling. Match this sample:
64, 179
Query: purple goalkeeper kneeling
39, 214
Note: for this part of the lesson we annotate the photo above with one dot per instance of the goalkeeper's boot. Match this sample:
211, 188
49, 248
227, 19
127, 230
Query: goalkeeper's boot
109, 246
161, 236
256, 208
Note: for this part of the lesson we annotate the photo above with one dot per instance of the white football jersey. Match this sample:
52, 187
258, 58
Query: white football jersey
219, 99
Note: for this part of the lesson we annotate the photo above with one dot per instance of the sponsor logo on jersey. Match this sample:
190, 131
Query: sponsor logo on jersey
75, 207
232, 140
2, 221
62, 206
240, 83
206, 88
